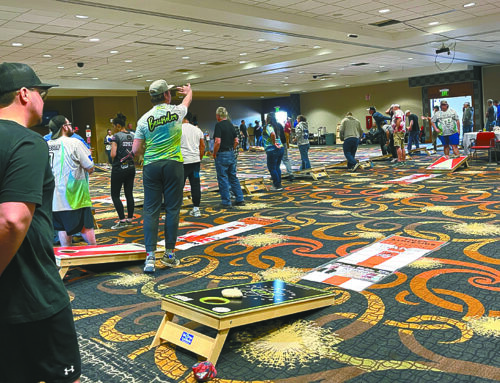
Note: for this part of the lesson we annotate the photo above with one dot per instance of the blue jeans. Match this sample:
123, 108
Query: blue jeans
467, 128
413, 138
162, 178
287, 161
489, 125
274, 157
304, 158
225, 165
350, 147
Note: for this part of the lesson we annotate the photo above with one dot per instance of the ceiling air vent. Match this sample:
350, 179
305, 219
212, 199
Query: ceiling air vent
385, 23
359, 64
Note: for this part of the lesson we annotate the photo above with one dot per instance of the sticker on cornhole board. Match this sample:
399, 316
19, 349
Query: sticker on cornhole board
215, 233
391, 253
411, 179
444, 163
370, 264
349, 277
85, 251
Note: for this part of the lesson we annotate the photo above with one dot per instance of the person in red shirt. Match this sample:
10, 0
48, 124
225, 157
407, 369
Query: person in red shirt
288, 131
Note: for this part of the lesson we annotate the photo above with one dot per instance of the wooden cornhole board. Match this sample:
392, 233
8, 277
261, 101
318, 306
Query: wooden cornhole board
315, 173
260, 301
186, 198
253, 185
418, 150
93, 255
444, 164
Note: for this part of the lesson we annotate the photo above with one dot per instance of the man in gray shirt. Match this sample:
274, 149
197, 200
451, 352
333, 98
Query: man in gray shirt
350, 133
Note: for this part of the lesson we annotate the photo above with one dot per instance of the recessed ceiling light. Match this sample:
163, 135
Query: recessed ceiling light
79, 73
140, 75
261, 40
127, 61
185, 57
469, 5
60, 67
333, 73
347, 86
221, 97
381, 66
249, 80
186, 30
316, 47
341, 69
95, 78
301, 72
285, 84
179, 48
286, 77
410, 58
149, 80
94, 40
434, 23
261, 96
47, 56
17, 44
113, 52
389, 80
384, 10
81, 17
203, 63
322, 79
243, 62
283, 81
243, 54
130, 70
377, 71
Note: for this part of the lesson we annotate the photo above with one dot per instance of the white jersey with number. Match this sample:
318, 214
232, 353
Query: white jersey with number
69, 158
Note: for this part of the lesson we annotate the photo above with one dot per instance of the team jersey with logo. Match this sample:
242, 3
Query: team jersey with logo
446, 122
124, 142
68, 159
398, 114
161, 130
266, 136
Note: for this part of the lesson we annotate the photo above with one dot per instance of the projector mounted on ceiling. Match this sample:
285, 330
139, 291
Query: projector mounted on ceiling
443, 49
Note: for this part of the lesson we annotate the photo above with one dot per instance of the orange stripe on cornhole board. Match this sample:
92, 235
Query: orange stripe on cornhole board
336, 280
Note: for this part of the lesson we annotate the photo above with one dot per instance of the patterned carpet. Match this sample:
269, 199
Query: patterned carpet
436, 320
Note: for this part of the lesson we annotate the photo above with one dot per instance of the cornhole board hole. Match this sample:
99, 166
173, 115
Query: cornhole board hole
444, 164
253, 185
93, 255
260, 301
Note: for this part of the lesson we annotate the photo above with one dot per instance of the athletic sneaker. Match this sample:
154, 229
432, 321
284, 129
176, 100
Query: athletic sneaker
149, 264
355, 167
394, 160
274, 188
241, 203
129, 222
195, 213
120, 225
169, 260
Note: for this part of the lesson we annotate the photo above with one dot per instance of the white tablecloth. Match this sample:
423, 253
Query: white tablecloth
469, 137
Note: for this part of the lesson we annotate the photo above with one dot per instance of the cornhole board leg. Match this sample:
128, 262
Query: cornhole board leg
253, 185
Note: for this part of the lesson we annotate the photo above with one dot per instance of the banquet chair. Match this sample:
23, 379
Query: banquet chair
485, 141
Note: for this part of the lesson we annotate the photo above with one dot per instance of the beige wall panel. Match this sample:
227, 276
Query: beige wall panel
329, 107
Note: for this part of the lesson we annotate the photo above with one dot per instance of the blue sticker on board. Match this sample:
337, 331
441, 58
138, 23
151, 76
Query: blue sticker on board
187, 338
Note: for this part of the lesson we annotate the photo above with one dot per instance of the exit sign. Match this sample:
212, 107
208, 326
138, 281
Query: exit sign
444, 92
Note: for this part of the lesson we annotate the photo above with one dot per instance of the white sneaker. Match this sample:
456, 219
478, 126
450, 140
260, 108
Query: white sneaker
394, 160
120, 225
169, 260
195, 213
149, 264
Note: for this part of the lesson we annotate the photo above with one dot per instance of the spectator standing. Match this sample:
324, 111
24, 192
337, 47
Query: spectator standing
413, 128
286, 160
302, 135
122, 171
258, 133
467, 118
288, 132
244, 135
447, 123
159, 131
71, 164
491, 116
226, 142
192, 148
398, 124
350, 133
107, 145
37, 331
274, 150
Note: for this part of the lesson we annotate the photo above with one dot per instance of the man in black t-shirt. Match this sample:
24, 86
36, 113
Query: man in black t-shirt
37, 332
244, 135
413, 129
226, 141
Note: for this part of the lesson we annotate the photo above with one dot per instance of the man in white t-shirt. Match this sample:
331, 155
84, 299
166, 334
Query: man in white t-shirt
71, 165
447, 123
192, 149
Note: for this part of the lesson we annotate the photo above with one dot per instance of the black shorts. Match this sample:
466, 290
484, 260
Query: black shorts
46, 350
73, 221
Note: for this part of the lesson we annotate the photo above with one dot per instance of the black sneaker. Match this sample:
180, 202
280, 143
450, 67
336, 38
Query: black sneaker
241, 203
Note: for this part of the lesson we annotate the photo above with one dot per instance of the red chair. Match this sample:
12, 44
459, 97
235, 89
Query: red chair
485, 141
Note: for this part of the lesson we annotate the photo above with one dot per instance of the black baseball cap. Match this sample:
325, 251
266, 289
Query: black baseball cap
372, 108
55, 125
14, 76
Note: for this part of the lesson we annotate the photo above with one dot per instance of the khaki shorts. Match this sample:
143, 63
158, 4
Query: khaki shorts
399, 139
